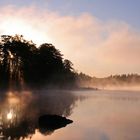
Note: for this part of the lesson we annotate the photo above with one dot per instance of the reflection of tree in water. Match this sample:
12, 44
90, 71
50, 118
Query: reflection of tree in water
19, 113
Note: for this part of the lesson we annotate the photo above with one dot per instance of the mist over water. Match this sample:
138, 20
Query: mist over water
127, 88
102, 115
97, 114
119, 86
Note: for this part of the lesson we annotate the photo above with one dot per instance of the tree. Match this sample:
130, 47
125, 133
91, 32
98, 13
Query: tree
51, 57
22, 62
68, 65
16, 58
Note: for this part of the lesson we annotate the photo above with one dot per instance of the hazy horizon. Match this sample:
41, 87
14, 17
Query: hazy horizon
100, 38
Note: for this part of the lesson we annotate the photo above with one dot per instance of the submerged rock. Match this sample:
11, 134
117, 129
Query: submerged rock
52, 122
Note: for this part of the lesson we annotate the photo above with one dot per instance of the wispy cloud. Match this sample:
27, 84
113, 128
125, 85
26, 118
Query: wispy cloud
95, 47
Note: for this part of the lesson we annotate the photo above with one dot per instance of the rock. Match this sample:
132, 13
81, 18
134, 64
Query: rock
52, 122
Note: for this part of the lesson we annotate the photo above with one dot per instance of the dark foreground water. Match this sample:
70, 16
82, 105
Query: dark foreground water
96, 115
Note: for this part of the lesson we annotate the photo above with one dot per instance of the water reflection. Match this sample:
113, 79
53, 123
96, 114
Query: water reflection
19, 112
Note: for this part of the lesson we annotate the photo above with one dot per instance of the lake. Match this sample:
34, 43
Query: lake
96, 115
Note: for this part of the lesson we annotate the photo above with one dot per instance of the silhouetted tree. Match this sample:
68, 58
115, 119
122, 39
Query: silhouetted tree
22, 62
50, 60
68, 65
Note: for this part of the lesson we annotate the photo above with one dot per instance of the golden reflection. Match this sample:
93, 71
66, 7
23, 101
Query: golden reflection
12, 98
10, 115
20, 111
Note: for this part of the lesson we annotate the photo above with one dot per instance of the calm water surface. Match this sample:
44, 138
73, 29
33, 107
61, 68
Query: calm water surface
97, 115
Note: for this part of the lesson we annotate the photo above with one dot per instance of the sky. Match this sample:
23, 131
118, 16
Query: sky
100, 37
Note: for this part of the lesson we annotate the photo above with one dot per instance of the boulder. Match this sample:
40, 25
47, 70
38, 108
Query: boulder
52, 122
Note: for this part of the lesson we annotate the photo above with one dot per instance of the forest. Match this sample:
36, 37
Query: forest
23, 64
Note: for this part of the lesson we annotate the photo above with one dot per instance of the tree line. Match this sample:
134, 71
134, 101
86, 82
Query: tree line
112, 80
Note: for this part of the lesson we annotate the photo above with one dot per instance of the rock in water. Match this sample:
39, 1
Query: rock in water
52, 122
